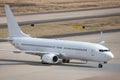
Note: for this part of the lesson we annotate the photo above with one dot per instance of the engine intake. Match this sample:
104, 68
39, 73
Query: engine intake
50, 58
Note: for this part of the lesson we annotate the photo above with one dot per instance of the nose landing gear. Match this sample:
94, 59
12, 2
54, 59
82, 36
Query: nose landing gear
100, 65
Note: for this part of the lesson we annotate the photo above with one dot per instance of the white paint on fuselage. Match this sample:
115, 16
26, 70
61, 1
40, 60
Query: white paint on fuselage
70, 49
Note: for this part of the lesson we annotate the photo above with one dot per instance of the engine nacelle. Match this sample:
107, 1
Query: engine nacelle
50, 58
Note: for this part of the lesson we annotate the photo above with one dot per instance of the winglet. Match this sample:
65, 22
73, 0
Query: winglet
102, 38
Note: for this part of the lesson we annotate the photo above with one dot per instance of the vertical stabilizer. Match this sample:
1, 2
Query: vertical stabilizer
13, 27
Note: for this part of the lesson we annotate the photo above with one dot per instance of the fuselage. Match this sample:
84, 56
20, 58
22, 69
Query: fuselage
70, 49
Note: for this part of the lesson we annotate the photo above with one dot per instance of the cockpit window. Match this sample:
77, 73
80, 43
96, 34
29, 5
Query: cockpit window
104, 50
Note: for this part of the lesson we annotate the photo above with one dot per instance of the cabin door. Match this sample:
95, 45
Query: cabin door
92, 52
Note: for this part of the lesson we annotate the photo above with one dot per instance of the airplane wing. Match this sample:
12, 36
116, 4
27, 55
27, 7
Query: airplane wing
39, 53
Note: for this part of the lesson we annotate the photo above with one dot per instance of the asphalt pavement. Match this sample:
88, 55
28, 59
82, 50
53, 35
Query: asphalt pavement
62, 16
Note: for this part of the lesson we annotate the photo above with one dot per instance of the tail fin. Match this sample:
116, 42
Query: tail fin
13, 27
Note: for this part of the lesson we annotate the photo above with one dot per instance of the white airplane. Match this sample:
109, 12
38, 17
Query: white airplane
55, 51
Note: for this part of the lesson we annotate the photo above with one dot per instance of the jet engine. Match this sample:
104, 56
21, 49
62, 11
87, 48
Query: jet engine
50, 58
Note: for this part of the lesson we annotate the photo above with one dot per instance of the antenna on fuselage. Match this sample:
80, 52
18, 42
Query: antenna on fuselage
101, 38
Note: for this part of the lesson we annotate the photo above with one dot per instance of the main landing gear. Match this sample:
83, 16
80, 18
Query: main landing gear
65, 60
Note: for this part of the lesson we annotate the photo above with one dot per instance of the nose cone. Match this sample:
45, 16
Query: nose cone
109, 56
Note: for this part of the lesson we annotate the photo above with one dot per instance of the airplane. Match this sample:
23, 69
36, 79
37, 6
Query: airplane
53, 51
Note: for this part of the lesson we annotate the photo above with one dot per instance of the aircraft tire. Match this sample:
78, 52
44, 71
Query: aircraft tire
100, 65
66, 61
43, 62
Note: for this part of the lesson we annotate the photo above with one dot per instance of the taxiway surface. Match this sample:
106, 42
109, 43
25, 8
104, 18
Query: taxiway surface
28, 67
62, 16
